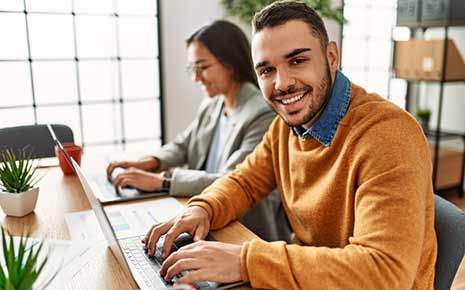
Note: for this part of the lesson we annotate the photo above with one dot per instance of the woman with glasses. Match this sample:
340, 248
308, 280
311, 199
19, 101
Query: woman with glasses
230, 122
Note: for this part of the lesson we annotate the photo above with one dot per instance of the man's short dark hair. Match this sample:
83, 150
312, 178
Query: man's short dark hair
281, 12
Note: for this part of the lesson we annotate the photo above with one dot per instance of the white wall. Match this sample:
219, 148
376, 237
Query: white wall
179, 19
181, 96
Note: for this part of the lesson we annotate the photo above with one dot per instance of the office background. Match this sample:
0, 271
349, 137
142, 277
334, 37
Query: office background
113, 70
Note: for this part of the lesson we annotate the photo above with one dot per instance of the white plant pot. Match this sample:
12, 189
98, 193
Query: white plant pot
19, 204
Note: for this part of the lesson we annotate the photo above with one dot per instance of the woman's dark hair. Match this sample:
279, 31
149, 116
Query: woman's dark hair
229, 44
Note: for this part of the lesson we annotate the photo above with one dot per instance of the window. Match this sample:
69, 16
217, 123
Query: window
367, 47
93, 66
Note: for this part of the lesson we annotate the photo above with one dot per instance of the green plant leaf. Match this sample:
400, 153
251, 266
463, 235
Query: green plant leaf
23, 269
21, 250
246, 9
10, 260
17, 174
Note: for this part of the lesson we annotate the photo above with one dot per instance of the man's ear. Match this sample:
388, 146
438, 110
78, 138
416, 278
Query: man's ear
332, 55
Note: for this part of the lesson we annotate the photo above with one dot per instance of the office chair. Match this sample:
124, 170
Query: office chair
449, 222
35, 139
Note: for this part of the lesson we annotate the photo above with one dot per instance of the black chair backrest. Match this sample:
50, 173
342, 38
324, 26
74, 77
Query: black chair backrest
35, 139
449, 222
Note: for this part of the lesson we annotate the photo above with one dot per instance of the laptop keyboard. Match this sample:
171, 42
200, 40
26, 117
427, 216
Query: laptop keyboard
103, 183
149, 267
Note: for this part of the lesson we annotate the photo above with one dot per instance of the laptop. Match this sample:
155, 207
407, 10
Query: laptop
142, 270
106, 191
129, 251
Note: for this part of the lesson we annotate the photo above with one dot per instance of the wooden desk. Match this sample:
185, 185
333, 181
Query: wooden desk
59, 195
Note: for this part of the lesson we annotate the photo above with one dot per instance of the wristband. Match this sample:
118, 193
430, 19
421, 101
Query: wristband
166, 184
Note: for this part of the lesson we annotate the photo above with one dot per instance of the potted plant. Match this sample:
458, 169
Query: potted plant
21, 264
246, 9
18, 194
423, 116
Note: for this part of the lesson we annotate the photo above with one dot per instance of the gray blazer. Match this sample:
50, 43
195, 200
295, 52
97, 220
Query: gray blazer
251, 118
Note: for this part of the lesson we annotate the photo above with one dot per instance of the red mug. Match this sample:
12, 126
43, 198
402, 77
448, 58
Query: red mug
74, 151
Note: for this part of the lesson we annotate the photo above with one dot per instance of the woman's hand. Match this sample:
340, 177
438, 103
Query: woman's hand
140, 179
146, 164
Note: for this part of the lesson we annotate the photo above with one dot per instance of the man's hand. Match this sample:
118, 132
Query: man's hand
147, 164
139, 179
194, 220
207, 261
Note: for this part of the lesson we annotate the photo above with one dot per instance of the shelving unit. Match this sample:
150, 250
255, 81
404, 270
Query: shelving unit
441, 183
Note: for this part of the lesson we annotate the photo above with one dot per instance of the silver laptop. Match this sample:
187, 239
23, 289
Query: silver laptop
129, 252
106, 191
142, 269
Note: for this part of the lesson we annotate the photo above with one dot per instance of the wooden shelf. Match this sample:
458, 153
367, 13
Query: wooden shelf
438, 24
431, 133
449, 166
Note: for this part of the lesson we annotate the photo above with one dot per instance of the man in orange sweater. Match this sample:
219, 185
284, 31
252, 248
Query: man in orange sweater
353, 170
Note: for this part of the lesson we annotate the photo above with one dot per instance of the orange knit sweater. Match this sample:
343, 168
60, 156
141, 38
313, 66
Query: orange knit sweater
361, 208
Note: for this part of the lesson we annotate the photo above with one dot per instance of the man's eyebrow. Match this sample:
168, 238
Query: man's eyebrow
293, 53
296, 52
261, 63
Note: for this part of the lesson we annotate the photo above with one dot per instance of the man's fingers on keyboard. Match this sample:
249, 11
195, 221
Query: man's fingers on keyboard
191, 277
152, 236
170, 236
200, 233
179, 266
145, 240
155, 234
180, 254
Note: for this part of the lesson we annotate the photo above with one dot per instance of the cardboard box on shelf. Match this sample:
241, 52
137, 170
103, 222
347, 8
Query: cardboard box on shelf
418, 59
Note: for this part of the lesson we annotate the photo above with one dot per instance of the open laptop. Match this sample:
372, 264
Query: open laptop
128, 250
142, 270
106, 191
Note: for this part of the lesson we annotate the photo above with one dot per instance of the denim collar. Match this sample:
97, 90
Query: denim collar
324, 128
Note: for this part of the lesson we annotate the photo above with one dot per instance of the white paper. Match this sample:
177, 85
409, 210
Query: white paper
126, 219
47, 162
83, 226
137, 218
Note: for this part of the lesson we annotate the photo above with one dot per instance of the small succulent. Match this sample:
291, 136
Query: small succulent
17, 174
423, 114
20, 266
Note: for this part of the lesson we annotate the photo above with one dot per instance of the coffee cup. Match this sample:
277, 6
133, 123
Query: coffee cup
74, 151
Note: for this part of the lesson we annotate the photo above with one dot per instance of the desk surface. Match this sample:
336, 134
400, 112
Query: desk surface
59, 195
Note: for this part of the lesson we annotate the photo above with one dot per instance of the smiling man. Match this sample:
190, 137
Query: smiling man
354, 172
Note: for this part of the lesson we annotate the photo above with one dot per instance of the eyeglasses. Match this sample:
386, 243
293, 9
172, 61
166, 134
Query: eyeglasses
195, 69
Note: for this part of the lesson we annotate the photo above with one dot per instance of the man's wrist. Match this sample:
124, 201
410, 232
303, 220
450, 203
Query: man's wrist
201, 206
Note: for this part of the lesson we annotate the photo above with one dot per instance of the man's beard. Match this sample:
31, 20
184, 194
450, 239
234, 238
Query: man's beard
325, 89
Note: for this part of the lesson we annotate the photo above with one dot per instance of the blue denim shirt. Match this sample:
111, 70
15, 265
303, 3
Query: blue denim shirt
325, 127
